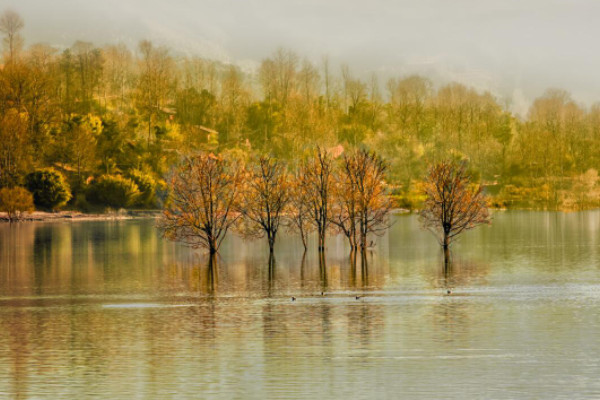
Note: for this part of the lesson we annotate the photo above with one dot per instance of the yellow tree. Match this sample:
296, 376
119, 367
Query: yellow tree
15, 202
154, 82
15, 156
265, 199
202, 202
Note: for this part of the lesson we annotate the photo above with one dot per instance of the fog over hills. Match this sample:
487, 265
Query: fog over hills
516, 49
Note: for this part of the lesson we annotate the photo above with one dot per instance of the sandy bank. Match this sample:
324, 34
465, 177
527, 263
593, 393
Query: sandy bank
80, 216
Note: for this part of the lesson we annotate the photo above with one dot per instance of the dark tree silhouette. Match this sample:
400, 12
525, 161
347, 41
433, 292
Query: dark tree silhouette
316, 182
454, 203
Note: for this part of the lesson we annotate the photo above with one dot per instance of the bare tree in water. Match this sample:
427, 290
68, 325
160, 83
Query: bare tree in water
316, 181
299, 211
202, 202
454, 203
265, 199
362, 205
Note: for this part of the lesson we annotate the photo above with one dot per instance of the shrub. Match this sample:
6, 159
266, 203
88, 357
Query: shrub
15, 201
147, 187
80, 202
49, 187
114, 191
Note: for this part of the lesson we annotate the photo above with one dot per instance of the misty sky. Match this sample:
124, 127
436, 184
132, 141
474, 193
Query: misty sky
516, 49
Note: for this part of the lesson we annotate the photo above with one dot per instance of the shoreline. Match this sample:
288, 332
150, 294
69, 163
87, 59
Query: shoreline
43, 216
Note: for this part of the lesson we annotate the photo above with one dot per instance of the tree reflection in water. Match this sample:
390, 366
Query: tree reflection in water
459, 272
271, 275
212, 274
323, 270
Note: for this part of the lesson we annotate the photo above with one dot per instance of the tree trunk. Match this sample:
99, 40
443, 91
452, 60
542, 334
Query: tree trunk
363, 234
353, 267
271, 238
446, 246
323, 270
271, 276
302, 264
212, 273
363, 241
321, 239
364, 267
149, 130
212, 246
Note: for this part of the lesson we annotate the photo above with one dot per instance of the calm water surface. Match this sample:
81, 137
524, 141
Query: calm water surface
110, 310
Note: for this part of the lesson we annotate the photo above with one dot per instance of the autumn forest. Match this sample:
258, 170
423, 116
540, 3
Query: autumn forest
119, 116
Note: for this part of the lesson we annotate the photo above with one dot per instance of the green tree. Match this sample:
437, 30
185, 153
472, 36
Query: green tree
114, 191
49, 188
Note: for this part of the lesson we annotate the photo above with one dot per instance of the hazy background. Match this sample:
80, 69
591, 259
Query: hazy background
516, 49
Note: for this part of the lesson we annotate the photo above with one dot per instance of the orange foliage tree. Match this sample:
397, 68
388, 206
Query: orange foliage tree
454, 203
344, 214
299, 212
202, 201
362, 205
316, 182
265, 199
373, 203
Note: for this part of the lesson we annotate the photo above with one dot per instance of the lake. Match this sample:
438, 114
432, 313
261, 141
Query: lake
107, 309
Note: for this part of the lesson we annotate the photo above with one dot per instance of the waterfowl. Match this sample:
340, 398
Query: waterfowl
357, 297
293, 298
449, 291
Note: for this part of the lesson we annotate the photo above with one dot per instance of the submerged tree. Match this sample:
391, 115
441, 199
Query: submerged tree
202, 201
362, 205
265, 199
299, 213
373, 202
344, 214
454, 203
315, 180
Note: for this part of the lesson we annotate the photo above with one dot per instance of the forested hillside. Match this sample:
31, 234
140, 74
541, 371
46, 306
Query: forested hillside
117, 116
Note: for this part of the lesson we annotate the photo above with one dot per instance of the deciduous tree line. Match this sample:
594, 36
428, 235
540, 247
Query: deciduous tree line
329, 191
112, 111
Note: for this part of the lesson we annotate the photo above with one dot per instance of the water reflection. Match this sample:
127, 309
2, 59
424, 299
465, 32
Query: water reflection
323, 270
459, 271
109, 310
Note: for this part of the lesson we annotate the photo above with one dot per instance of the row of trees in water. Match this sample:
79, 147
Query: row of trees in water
326, 191
330, 190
